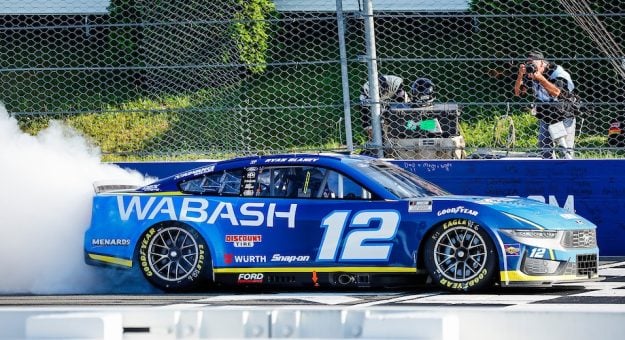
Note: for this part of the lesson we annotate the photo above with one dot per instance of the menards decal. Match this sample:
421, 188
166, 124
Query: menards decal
201, 210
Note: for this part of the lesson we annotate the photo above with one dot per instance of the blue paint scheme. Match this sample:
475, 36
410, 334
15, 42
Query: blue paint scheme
299, 232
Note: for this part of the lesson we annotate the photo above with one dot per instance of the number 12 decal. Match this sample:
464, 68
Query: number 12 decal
356, 243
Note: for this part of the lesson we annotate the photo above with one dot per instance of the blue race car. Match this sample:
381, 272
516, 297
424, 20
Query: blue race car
331, 220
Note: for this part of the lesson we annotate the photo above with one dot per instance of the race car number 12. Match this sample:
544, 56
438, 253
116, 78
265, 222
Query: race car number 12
358, 244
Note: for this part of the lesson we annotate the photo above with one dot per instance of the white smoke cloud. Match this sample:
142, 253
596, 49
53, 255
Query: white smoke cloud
46, 190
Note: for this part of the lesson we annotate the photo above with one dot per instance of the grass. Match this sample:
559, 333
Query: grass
210, 124
166, 129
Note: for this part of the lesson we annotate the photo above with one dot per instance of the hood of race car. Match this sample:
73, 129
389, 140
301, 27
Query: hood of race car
532, 213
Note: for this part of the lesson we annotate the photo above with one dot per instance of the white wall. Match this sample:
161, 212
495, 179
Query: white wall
100, 6
378, 5
53, 6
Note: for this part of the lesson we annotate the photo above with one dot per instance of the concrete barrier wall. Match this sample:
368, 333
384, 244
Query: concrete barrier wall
521, 323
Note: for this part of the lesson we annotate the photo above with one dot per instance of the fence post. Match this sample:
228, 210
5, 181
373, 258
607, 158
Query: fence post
374, 94
346, 99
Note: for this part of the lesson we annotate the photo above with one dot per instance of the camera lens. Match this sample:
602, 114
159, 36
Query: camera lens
530, 68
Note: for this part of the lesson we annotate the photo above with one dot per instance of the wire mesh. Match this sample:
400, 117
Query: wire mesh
191, 79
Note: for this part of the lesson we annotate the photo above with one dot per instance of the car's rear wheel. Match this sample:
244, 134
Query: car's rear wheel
459, 256
173, 256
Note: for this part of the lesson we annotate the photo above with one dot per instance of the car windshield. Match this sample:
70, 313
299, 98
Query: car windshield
398, 181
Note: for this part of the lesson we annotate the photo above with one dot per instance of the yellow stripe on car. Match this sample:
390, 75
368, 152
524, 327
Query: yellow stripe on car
516, 276
112, 260
316, 269
167, 193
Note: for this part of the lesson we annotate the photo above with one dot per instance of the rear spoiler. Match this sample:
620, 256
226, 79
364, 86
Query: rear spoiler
101, 187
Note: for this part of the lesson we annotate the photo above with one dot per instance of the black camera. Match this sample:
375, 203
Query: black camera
530, 68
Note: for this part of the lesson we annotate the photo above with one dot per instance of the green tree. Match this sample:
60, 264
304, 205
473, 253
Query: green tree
251, 32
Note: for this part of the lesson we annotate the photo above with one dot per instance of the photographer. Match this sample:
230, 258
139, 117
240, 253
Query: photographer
552, 88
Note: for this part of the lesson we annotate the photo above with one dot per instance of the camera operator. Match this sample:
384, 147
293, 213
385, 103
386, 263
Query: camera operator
391, 91
552, 88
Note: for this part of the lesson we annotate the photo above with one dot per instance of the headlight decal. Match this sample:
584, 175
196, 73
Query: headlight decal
523, 220
546, 239
532, 234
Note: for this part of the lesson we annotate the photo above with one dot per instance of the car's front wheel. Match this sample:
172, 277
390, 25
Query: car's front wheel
459, 256
173, 256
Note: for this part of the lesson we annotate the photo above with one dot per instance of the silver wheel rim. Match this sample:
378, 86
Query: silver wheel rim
460, 254
173, 254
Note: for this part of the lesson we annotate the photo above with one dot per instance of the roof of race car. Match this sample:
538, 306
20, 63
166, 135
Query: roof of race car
328, 159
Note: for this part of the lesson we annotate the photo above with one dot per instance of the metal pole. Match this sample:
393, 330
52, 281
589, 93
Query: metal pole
345, 81
374, 94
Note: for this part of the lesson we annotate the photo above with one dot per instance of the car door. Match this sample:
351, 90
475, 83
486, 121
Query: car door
358, 230
317, 217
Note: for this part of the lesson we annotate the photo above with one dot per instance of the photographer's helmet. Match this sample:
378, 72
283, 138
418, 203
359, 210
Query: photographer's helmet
422, 91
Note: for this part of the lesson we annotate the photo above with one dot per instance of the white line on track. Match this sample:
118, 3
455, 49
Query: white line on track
393, 300
611, 265
594, 285
612, 271
604, 292
490, 299
327, 299
181, 306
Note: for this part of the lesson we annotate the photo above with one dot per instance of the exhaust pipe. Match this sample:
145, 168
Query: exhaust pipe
345, 279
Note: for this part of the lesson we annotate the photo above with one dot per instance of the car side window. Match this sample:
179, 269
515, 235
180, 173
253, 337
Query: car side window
222, 183
343, 187
301, 182
292, 181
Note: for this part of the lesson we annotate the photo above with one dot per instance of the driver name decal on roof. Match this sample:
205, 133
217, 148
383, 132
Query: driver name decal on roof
292, 159
151, 187
201, 210
198, 171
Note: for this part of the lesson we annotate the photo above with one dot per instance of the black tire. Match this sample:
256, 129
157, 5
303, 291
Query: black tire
460, 256
173, 257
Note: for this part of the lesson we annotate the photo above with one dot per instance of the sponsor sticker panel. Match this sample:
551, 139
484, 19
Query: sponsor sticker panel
420, 206
247, 278
244, 241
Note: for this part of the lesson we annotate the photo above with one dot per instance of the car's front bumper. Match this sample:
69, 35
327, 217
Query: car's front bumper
557, 267
548, 257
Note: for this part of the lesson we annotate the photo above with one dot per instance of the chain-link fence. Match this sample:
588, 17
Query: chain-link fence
194, 79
